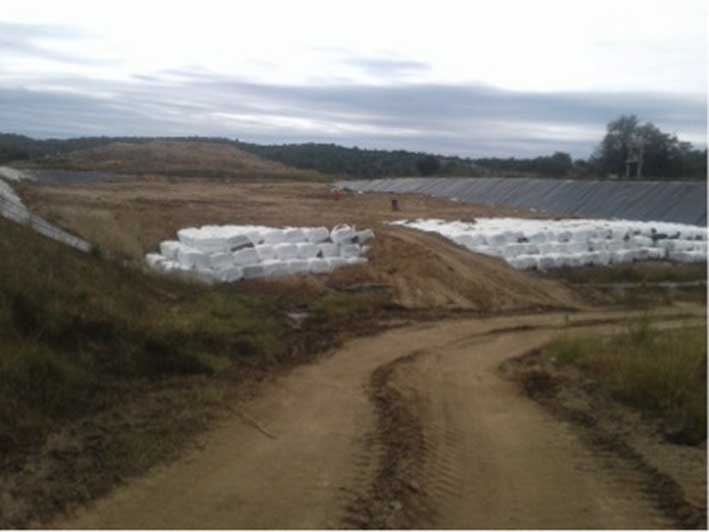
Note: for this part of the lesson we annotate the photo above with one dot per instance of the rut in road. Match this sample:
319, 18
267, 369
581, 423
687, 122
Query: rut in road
475, 452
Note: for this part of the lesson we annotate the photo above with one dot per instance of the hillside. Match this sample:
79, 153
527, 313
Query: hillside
177, 159
121, 367
673, 160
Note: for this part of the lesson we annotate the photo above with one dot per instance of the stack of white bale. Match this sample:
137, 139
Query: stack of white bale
230, 253
546, 244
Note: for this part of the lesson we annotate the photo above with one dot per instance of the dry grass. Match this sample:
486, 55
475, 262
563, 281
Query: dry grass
179, 159
106, 370
102, 228
662, 372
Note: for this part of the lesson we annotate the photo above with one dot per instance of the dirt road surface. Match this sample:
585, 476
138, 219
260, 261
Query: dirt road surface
414, 427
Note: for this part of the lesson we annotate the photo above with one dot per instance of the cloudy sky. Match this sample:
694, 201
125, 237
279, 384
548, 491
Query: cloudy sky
474, 78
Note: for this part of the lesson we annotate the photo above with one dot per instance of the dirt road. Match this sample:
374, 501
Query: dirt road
414, 427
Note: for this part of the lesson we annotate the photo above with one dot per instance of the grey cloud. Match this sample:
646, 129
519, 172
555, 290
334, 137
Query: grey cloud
453, 119
22, 40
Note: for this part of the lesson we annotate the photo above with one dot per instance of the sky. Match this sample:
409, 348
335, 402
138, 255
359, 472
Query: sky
472, 78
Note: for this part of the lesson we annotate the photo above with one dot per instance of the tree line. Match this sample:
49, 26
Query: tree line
629, 149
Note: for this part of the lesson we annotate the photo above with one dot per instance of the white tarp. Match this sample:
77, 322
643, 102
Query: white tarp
229, 253
545, 244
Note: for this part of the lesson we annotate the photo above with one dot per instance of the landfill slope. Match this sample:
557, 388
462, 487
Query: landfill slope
668, 201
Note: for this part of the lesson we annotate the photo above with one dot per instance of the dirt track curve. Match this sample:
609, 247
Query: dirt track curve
414, 427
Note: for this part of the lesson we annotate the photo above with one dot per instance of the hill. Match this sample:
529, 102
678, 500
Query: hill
681, 161
177, 159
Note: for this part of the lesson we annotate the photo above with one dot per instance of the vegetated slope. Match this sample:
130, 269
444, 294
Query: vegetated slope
179, 159
82, 338
72, 325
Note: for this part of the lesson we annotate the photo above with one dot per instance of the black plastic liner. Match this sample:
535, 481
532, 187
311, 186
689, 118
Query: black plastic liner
665, 201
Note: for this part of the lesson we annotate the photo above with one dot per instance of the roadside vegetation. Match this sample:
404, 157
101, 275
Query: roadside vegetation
637, 285
121, 367
74, 325
660, 372
642, 272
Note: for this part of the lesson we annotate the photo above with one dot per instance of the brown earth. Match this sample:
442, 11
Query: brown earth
622, 435
422, 271
415, 427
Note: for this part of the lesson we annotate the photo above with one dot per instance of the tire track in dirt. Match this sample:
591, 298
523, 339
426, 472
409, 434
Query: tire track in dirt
409, 428
421, 480
630, 467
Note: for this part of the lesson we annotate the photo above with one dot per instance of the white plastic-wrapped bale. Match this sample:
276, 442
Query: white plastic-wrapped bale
572, 242
154, 260
298, 266
329, 250
168, 266
246, 257
294, 236
204, 241
266, 252
316, 235
362, 237
342, 234
307, 250
350, 250
319, 266
336, 262
286, 251
230, 253
191, 258
523, 262
230, 275
274, 236
221, 260
275, 268
252, 271
169, 249
237, 242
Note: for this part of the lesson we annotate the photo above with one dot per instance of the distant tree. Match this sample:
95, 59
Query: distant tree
428, 165
557, 165
664, 156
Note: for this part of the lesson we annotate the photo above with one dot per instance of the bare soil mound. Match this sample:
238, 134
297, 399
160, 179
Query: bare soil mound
426, 271
182, 159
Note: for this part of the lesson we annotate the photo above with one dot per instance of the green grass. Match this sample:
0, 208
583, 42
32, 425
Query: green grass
648, 272
74, 325
662, 372
122, 367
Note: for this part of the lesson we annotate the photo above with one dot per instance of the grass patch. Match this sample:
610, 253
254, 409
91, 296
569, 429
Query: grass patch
645, 272
662, 372
100, 227
74, 326
106, 369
